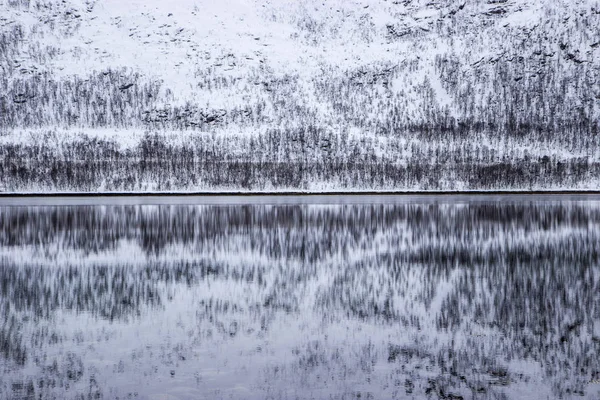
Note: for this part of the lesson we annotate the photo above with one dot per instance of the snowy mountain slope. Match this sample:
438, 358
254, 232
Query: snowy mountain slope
511, 75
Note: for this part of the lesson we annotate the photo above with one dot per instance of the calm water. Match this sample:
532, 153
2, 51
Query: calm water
370, 298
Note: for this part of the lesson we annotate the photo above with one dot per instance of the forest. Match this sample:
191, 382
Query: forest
447, 105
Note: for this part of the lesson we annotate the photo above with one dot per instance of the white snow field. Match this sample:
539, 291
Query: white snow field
448, 95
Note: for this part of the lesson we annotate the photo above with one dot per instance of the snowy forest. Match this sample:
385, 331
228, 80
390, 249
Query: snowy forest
316, 96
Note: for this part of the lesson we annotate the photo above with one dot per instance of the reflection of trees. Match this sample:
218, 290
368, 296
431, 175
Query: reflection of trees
286, 231
111, 292
523, 272
11, 341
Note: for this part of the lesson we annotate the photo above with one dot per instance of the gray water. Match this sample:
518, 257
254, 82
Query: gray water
297, 298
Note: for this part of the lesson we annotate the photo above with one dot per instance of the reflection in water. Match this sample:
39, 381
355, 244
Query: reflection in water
449, 301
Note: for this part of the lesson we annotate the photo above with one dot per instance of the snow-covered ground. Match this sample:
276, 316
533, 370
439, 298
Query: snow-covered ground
515, 76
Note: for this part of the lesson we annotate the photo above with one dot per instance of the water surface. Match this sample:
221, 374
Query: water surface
285, 298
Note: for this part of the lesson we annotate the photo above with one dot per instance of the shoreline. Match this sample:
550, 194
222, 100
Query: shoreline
301, 193
287, 198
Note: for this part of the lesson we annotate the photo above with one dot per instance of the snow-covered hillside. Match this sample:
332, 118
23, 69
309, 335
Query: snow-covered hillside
416, 94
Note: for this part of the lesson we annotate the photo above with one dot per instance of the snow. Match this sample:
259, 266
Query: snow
290, 64
170, 41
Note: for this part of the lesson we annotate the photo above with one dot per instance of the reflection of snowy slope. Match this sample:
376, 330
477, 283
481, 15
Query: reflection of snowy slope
471, 298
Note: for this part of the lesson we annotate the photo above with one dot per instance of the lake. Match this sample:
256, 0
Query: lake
324, 297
